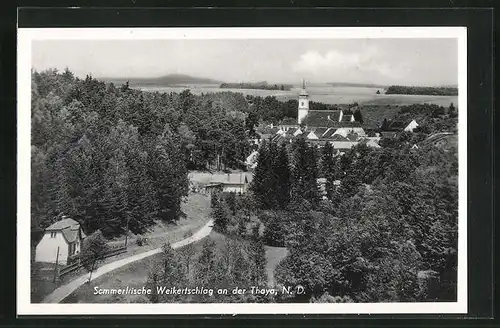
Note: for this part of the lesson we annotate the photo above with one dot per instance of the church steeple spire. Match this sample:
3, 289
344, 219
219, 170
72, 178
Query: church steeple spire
303, 103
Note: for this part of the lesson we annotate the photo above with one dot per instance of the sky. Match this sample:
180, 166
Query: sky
400, 61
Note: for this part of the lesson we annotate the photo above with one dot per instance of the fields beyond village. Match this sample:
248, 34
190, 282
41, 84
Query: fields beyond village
321, 93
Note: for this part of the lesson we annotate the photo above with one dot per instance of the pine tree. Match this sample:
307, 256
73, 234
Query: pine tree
358, 117
328, 169
169, 271
281, 170
259, 276
221, 215
206, 262
262, 179
305, 175
452, 111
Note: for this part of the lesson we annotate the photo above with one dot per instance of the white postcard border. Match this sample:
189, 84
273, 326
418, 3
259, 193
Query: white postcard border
27, 35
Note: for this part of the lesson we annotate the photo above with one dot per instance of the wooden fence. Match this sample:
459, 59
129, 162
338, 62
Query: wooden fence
78, 265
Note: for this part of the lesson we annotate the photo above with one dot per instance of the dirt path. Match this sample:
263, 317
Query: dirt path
64, 291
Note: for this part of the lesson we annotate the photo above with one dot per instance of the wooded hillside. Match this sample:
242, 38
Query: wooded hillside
105, 155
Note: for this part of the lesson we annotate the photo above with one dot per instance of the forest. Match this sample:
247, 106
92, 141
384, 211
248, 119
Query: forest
413, 90
110, 155
382, 228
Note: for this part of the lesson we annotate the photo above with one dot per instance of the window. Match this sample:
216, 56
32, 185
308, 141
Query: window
72, 249
53, 234
301, 103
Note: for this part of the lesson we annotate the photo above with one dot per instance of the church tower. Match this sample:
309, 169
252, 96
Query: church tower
303, 103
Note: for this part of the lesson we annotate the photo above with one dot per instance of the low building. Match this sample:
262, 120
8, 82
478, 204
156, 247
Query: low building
64, 236
411, 126
251, 160
228, 182
398, 126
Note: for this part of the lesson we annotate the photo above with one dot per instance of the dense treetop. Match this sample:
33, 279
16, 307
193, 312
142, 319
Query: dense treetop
108, 155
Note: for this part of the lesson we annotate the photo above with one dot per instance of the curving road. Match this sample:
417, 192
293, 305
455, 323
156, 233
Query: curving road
64, 291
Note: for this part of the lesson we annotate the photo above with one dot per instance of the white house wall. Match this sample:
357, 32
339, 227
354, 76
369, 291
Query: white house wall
235, 189
410, 127
312, 136
345, 131
342, 131
46, 250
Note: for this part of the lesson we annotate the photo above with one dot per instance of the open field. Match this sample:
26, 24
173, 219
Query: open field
323, 93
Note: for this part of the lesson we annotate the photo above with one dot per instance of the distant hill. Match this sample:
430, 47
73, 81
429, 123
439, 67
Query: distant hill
359, 85
414, 90
171, 79
263, 85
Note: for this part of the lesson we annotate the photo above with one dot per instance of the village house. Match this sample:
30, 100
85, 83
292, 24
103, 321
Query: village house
337, 127
64, 236
321, 126
251, 160
226, 182
408, 126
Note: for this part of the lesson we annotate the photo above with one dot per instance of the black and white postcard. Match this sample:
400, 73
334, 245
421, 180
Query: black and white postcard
242, 170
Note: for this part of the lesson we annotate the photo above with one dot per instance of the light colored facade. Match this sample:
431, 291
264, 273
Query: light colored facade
411, 126
226, 182
64, 236
303, 104
345, 131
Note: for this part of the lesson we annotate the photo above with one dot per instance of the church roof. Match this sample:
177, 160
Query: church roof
322, 118
303, 92
398, 125
337, 137
346, 118
329, 133
320, 131
289, 121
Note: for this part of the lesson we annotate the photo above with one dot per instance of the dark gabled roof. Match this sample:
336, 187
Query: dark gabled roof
348, 125
289, 121
388, 134
63, 224
320, 142
370, 127
291, 131
322, 118
276, 137
266, 130
337, 137
70, 234
398, 125
352, 136
346, 118
329, 133
320, 131
69, 228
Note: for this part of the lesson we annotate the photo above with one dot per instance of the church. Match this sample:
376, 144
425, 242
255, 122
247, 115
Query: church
320, 126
